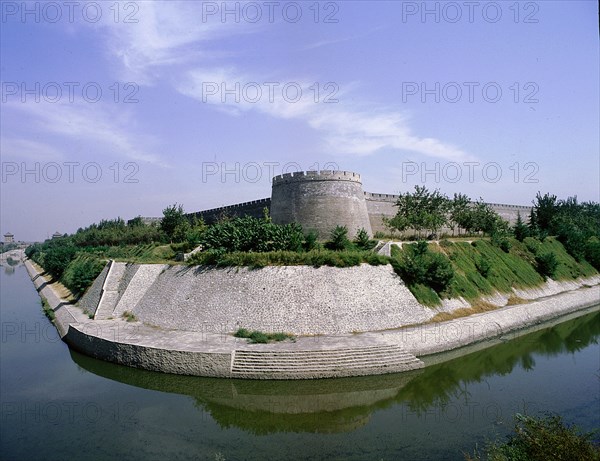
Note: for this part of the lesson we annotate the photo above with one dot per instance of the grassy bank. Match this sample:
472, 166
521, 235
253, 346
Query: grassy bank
481, 268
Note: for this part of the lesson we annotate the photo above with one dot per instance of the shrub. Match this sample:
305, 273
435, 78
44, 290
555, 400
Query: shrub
592, 252
81, 273
339, 239
362, 240
252, 234
483, 266
242, 333
542, 439
57, 257
546, 264
311, 241
260, 337
417, 265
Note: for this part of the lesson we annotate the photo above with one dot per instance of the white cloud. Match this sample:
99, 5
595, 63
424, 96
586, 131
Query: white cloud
172, 37
346, 129
15, 148
94, 123
167, 34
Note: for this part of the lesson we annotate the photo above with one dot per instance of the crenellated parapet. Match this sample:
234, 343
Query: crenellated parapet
324, 175
254, 208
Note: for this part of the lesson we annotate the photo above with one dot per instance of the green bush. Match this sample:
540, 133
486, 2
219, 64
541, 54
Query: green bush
542, 439
418, 265
338, 240
81, 273
260, 337
592, 252
315, 258
546, 264
311, 241
483, 266
252, 235
362, 240
56, 256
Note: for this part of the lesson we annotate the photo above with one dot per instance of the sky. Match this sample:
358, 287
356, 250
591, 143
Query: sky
119, 109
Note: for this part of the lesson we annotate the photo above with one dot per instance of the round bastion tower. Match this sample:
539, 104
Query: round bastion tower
319, 201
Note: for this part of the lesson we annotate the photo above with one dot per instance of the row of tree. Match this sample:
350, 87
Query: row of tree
430, 211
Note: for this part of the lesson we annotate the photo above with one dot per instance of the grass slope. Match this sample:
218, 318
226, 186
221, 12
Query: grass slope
481, 268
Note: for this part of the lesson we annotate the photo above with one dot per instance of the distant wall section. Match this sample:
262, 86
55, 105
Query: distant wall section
254, 208
381, 206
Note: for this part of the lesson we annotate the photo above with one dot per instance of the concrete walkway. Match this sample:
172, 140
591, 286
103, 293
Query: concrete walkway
222, 355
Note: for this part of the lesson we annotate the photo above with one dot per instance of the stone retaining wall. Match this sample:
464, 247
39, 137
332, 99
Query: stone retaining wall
202, 353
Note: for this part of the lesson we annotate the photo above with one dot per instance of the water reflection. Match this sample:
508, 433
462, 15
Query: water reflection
342, 405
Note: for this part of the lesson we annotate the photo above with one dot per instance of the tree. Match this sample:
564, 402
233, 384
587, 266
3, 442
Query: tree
174, 223
460, 212
484, 218
421, 210
520, 230
545, 208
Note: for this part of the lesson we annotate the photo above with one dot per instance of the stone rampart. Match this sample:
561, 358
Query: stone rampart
255, 208
320, 201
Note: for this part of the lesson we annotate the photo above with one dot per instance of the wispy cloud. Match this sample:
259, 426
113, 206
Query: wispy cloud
171, 38
346, 129
97, 124
26, 149
166, 35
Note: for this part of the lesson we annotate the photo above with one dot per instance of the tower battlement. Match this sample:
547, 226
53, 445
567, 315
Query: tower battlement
324, 175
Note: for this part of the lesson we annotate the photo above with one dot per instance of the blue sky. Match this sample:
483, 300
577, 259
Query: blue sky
120, 109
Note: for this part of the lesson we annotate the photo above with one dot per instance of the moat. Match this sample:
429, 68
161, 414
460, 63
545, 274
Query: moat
58, 404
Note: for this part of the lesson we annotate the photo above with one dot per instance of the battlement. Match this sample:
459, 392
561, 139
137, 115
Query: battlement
381, 197
323, 175
254, 208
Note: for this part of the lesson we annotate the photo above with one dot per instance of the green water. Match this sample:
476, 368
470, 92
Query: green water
58, 404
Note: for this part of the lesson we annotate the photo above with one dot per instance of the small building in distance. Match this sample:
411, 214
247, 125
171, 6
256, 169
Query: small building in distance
9, 238
56, 235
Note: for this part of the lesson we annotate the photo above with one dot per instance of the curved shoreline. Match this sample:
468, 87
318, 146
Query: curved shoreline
222, 355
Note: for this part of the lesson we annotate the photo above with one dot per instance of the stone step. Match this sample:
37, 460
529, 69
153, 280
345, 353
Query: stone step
397, 359
348, 357
316, 363
317, 352
308, 367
